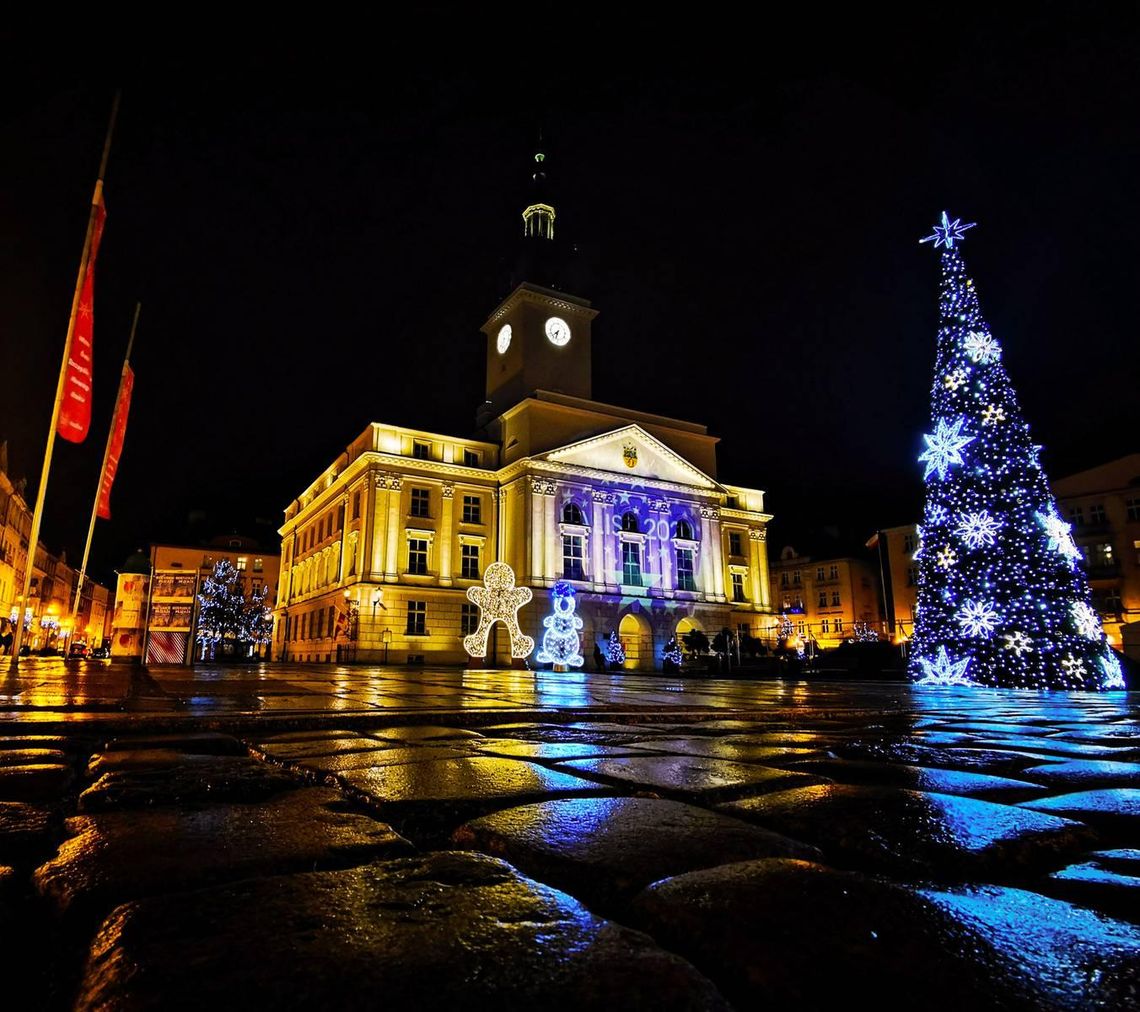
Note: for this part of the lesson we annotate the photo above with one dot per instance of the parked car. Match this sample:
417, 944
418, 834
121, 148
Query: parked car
77, 650
100, 652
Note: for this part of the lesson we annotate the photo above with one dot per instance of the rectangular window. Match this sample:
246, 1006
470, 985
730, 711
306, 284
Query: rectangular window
469, 562
839, 625
796, 577
734, 546
305, 626
356, 506
469, 619
573, 567
332, 620
1101, 556
823, 598
1096, 513
800, 627
339, 517
835, 599
912, 576
833, 573
471, 458
472, 510
738, 587
421, 502
417, 618
1108, 602
908, 543
819, 573
258, 565
1133, 508
417, 556
320, 624
242, 562
783, 579
825, 626
685, 580
631, 563
421, 450
1077, 515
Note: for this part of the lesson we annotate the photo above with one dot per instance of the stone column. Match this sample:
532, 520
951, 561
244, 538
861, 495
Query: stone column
368, 525
392, 533
550, 525
375, 546
759, 538
709, 557
446, 522
341, 567
597, 542
718, 546
537, 511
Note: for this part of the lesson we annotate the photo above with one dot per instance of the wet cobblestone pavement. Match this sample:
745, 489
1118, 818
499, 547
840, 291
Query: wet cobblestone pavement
295, 837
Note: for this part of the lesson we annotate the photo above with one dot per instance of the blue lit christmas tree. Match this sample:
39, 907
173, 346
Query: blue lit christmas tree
1002, 597
560, 641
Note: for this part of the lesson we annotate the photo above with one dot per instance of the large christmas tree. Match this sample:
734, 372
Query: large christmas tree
1002, 596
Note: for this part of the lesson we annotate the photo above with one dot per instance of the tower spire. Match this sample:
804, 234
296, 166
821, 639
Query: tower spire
538, 215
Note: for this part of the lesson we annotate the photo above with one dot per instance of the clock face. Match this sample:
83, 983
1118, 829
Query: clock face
503, 342
558, 331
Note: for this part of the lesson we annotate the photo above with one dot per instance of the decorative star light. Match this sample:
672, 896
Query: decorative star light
977, 618
937, 514
1074, 667
1019, 642
1087, 621
977, 529
946, 557
954, 379
992, 414
948, 232
981, 347
1113, 676
499, 601
943, 671
1060, 536
944, 447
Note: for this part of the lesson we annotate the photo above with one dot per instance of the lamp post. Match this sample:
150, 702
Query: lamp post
387, 640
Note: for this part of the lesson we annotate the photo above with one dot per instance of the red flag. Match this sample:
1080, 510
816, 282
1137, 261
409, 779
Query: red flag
118, 433
75, 411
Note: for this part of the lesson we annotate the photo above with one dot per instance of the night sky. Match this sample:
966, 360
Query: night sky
317, 230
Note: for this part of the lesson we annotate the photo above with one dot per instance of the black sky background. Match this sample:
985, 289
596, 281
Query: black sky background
317, 227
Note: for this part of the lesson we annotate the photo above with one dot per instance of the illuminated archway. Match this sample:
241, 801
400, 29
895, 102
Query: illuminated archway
637, 639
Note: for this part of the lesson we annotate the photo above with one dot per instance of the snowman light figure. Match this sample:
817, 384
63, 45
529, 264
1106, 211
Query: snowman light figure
560, 641
499, 601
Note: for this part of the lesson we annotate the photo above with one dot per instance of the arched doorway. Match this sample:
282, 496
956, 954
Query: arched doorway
636, 636
687, 625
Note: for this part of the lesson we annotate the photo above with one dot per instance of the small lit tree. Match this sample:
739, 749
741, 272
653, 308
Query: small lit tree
226, 617
614, 650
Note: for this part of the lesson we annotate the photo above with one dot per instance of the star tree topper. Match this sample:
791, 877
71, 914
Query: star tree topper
499, 601
948, 232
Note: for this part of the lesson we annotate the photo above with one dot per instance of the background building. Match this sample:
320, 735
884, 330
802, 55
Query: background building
378, 552
898, 577
1103, 505
826, 596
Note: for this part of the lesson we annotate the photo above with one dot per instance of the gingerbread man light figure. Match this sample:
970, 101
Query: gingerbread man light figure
499, 601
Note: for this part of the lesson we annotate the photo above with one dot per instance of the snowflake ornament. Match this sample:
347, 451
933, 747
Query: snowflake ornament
943, 671
937, 514
944, 447
977, 529
992, 414
1074, 667
1086, 620
978, 619
1110, 665
981, 347
946, 557
1019, 642
954, 379
1060, 536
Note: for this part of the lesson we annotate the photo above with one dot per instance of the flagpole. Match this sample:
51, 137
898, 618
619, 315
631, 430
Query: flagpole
37, 513
103, 469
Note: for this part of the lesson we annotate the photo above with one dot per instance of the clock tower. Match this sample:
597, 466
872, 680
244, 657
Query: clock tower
538, 338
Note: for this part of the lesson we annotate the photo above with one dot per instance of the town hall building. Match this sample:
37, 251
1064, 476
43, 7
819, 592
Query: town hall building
378, 552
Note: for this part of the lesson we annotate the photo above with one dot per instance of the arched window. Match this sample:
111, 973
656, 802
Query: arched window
684, 530
629, 522
572, 514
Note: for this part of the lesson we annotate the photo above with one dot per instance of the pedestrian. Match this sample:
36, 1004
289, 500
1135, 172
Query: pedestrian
599, 657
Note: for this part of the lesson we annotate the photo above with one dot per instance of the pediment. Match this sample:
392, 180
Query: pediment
631, 451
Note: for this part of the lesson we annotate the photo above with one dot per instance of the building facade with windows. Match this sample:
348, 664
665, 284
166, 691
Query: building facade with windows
898, 578
626, 505
1103, 505
827, 600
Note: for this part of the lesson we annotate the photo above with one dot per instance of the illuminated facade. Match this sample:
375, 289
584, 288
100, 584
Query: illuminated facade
379, 551
895, 547
827, 599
